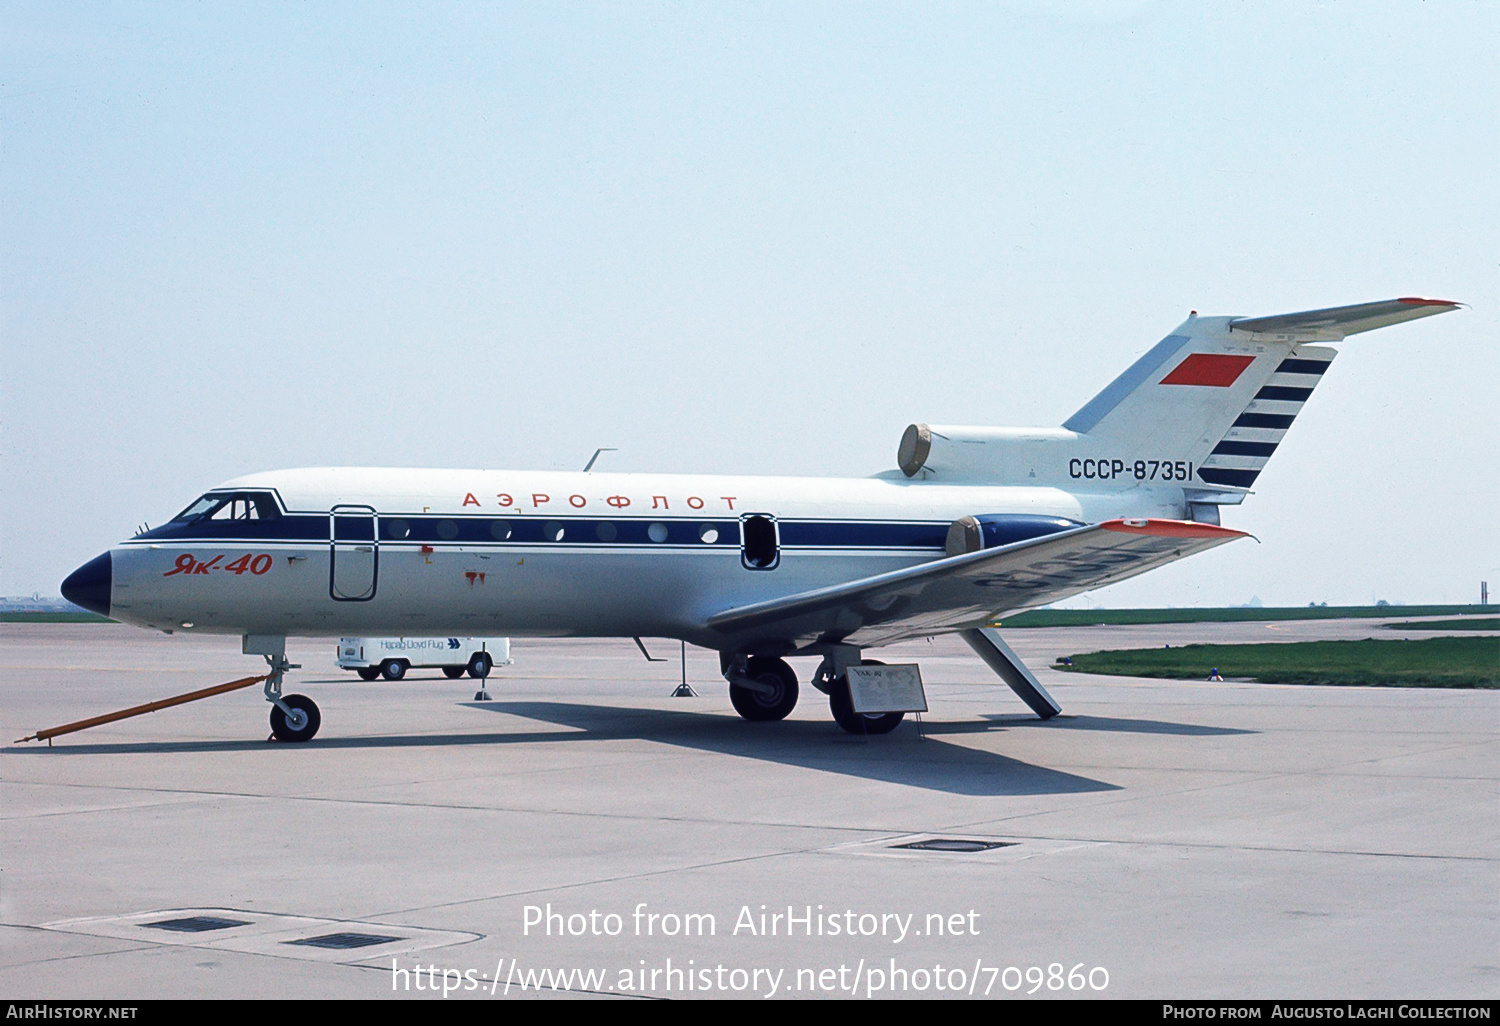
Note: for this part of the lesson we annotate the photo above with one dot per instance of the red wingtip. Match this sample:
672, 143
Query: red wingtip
1162, 528
1418, 301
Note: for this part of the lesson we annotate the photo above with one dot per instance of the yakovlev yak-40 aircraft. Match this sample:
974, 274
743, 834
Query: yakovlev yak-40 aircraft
974, 524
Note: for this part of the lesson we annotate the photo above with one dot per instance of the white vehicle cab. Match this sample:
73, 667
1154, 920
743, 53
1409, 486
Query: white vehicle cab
392, 657
971, 525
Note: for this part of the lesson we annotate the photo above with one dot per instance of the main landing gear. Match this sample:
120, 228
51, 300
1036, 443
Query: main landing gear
842, 707
763, 688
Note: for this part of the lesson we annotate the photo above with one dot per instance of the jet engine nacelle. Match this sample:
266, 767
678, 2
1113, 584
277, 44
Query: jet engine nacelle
1012, 455
991, 530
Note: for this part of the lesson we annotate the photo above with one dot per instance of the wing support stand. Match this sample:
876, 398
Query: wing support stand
684, 690
1008, 667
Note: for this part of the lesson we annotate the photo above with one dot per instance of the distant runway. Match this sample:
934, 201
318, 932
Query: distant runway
1160, 839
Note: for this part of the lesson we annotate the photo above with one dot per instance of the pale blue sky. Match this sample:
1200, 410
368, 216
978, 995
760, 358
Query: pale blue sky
746, 238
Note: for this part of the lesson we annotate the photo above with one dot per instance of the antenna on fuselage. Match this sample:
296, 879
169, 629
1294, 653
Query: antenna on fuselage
590, 464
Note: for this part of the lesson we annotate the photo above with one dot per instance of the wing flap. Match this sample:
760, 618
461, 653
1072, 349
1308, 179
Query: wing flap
970, 590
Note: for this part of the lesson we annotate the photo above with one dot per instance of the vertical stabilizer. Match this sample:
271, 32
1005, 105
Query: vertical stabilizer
1221, 392
1203, 410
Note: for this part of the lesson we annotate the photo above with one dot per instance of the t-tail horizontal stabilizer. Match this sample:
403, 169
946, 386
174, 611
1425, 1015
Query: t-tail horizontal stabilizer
986, 641
1336, 322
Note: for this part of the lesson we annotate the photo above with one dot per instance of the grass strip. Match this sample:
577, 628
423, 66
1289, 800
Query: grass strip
1436, 662
1090, 617
1476, 624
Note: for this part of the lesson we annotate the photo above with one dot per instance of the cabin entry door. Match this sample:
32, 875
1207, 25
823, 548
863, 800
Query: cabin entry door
354, 556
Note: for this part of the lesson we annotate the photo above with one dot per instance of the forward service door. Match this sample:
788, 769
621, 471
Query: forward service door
354, 557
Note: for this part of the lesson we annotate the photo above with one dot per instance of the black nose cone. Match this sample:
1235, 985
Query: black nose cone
88, 586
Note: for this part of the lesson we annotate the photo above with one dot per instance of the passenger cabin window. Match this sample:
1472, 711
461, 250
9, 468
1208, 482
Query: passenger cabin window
761, 551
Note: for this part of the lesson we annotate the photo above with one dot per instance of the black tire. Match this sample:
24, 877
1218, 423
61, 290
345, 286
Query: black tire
393, 669
844, 715
368, 672
453, 672
753, 705
480, 665
281, 730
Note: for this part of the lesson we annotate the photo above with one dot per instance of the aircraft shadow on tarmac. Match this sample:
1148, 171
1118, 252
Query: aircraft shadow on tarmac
901, 757
1105, 723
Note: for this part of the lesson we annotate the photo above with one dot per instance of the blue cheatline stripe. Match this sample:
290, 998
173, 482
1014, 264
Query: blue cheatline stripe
875, 535
1229, 448
1294, 366
1282, 392
354, 529
1220, 475
286, 528
1265, 420
572, 531
536, 530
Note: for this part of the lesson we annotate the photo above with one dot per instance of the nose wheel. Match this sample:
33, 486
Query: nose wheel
299, 720
293, 717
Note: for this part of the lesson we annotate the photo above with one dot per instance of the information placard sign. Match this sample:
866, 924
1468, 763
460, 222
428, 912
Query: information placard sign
887, 689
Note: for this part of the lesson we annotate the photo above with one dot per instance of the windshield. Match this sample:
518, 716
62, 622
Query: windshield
200, 507
231, 506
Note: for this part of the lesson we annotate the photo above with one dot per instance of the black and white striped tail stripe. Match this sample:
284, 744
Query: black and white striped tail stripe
1239, 458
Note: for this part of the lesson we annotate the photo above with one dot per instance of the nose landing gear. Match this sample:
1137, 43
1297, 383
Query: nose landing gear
293, 717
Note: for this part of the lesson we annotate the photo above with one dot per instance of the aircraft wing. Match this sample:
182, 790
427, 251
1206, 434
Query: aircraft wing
968, 590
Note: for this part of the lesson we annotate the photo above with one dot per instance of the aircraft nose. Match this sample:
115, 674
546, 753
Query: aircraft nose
88, 586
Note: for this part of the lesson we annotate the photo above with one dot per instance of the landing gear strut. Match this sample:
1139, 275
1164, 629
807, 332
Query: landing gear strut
762, 688
293, 717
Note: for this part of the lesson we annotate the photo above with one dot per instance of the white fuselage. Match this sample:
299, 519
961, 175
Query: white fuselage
399, 551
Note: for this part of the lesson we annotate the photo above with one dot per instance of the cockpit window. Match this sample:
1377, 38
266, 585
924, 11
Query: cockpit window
202, 506
231, 506
237, 508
